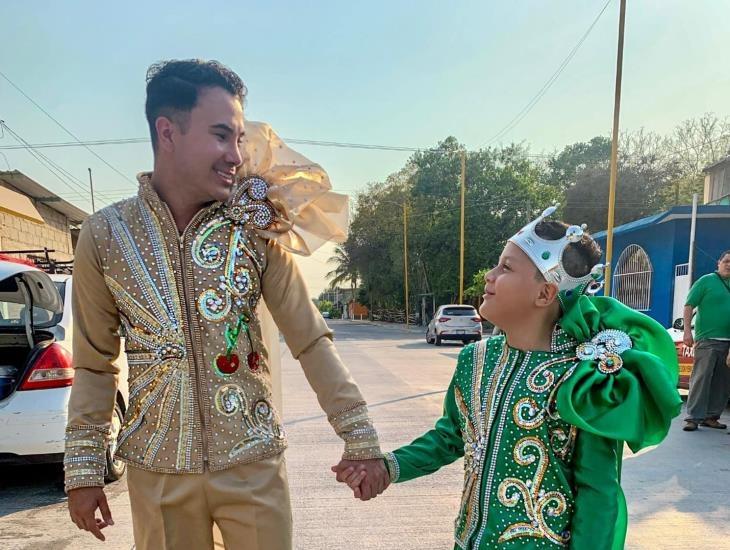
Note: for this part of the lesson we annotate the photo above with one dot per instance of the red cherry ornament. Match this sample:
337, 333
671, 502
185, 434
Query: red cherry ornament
254, 361
227, 364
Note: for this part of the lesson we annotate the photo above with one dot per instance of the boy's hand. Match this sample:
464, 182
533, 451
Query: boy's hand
374, 482
353, 477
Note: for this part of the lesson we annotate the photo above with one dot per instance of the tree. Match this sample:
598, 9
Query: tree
345, 270
693, 145
566, 167
504, 188
325, 306
582, 171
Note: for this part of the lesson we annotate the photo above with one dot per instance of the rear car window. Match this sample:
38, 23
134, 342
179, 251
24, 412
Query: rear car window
13, 314
455, 311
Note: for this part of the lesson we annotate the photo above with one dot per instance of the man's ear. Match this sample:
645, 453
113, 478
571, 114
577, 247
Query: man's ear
547, 295
166, 129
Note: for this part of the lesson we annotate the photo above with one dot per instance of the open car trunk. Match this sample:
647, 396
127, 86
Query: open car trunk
17, 356
30, 305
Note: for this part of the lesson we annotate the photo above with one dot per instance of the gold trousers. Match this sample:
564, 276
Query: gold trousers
248, 503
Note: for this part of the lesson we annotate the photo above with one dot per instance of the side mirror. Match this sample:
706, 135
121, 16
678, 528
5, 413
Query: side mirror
678, 324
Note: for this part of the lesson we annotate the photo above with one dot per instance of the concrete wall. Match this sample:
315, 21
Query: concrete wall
18, 233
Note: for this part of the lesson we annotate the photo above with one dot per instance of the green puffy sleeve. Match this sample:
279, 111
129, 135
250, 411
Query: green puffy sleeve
438, 447
599, 521
633, 396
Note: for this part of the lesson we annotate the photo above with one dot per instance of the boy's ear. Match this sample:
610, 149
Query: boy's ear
547, 295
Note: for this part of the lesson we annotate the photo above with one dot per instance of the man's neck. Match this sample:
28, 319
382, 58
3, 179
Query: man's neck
183, 210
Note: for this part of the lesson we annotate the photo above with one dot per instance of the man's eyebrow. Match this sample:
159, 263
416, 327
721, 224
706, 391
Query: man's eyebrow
222, 126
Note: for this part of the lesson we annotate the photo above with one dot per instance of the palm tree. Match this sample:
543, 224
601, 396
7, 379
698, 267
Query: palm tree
345, 269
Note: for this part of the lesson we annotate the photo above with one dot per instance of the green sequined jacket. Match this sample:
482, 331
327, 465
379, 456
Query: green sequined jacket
542, 433
200, 386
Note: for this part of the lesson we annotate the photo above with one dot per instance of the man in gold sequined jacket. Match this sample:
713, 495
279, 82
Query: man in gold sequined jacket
186, 271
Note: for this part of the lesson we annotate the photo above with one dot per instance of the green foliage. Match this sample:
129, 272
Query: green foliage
326, 306
475, 291
505, 188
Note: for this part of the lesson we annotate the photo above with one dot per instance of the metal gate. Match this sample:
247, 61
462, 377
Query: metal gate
632, 278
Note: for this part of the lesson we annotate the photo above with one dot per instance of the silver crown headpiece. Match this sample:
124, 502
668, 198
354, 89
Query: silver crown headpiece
547, 255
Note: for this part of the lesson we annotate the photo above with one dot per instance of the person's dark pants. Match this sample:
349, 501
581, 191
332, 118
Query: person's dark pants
709, 384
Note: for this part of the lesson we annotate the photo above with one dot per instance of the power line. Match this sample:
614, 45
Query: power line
130, 141
318, 143
56, 145
63, 175
62, 126
542, 91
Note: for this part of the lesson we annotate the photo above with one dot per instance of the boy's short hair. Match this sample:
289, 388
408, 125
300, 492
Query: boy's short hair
578, 258
173, 88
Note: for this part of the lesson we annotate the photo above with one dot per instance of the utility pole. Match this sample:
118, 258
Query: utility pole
91, 186
462, 155
692, 233
614, 148
405, 254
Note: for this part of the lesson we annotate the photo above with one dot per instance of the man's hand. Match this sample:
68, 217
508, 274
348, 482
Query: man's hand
688, 340
82, 505
367, 478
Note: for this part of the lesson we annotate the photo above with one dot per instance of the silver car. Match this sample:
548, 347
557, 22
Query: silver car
454, 322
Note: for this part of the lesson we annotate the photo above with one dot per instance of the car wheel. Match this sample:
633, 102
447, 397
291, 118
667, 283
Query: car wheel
438, 340
115, 468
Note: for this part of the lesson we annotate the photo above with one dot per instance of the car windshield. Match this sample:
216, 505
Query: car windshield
13, 314
460, 311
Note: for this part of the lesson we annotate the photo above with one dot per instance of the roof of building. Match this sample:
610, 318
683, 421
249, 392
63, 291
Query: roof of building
675, 213
40, 194
714, 165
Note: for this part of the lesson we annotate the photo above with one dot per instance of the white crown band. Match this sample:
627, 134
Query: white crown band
547, 255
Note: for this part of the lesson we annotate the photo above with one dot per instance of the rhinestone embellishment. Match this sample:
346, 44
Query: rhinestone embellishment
606, 347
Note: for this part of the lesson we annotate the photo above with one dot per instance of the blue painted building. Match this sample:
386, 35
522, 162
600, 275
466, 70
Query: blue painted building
650, 257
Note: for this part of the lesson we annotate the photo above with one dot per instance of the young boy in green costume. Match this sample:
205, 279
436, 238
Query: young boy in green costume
541, 413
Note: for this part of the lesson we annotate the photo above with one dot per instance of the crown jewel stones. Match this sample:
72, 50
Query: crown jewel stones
547, 255
605, 347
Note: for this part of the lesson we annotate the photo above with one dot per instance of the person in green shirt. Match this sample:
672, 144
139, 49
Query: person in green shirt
709, 385
540, 414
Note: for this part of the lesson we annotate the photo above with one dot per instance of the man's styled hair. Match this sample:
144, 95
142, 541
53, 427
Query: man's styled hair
578, 258
173, 88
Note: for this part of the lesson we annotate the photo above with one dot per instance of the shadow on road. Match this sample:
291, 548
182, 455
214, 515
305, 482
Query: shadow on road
32, 486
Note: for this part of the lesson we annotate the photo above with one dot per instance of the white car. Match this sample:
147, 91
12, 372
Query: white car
454, 322
36, 368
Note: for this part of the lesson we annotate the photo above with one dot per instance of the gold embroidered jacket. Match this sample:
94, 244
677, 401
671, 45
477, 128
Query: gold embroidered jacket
200, 390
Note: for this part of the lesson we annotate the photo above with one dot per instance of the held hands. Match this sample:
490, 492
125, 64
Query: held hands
366, 478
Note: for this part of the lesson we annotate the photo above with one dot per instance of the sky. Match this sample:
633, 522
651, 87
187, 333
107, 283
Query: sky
397, 73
